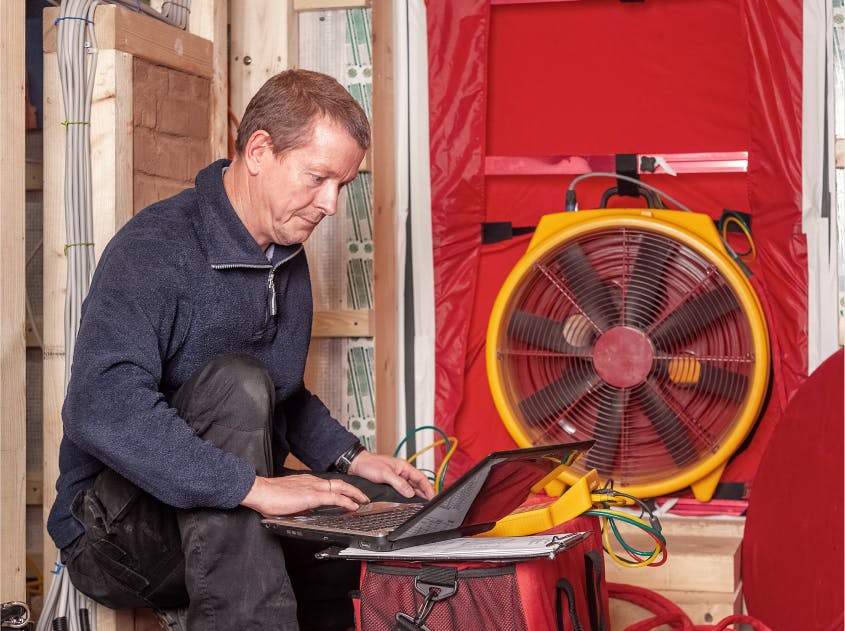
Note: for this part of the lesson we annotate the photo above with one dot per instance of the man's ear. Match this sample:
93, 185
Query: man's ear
258, 149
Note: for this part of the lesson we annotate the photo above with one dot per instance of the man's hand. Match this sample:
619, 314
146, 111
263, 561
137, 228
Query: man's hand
400, 474
294, 493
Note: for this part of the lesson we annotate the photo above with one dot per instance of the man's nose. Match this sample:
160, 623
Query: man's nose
327, 200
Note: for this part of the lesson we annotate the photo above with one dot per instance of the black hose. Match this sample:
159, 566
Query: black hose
84, 620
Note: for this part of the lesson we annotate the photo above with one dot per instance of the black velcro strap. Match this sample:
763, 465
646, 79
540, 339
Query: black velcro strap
626, 164
564, 587
594, 566
496, 231
438, 576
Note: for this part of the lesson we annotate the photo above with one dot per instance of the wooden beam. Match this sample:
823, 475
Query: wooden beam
342, 323
384, 234
320, 5
12, 288
32, 340
34, 490
34, 176
209, 21
264, 42
160, 43
111, 146
55, 272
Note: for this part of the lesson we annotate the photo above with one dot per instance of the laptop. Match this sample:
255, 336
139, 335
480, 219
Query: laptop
491, 490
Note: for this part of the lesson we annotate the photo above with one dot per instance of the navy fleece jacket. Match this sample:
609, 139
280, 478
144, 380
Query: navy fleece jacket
180, 283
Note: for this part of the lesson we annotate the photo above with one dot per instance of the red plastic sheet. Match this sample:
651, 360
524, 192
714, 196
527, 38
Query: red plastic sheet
792, 550
605, 77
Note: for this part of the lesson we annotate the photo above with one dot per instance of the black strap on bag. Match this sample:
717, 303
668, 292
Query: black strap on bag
595, 569
565, 587
435, 583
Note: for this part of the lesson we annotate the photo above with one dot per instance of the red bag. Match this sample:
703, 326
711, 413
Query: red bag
567, 593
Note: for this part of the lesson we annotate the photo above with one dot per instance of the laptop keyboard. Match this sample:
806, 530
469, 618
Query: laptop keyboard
367, 521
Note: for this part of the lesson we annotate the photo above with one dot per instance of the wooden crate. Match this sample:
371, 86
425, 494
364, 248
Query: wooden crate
701, 575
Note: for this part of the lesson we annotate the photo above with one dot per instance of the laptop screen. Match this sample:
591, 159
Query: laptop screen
506, 487
489, 491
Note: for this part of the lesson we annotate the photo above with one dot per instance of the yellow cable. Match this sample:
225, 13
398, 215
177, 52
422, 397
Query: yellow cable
442, 467
413, 456
453, 445
745, 231
619, 561
623, 562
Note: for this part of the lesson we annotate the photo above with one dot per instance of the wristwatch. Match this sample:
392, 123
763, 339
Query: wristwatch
345, 459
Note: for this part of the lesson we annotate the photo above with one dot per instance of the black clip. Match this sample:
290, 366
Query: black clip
434, 583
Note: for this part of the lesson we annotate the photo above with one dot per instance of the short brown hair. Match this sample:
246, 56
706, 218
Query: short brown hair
287, 105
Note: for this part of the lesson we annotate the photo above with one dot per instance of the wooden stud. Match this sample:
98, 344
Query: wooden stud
342, 323
324, 5
55, 289
111, 146
263, 42
384, 233
208, 20
12, 279
34, 176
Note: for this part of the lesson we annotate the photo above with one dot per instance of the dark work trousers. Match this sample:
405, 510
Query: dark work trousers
230, 571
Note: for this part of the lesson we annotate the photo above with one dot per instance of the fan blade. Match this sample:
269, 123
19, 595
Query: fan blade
595, 298
706, 378
603, 454
646, 293
670, 429
548, 334
558, 395
693, 316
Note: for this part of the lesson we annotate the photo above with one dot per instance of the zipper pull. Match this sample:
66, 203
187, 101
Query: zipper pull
271, 287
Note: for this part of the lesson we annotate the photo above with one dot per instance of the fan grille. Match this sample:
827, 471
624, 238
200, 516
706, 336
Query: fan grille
630, 338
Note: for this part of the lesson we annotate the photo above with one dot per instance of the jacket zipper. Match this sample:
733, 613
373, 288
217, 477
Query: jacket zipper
271, 275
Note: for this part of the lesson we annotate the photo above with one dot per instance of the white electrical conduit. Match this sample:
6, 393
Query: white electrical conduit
77, 58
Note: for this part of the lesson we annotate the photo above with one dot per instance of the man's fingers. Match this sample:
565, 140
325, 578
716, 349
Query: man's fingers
340, 489
402, 486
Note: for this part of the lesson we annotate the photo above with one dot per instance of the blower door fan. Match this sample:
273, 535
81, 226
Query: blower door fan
635, 329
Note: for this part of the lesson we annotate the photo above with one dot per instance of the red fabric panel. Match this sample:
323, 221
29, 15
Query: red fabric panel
604, 77
773, 35
537, 580
457, 34
792, 550
601, 76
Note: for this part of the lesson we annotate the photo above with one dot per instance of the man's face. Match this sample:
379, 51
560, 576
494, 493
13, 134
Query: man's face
300, 187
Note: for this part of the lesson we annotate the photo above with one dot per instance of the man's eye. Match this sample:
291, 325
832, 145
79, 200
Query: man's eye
317, 179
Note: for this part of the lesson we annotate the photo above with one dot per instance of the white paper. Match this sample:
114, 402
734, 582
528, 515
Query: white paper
490, 549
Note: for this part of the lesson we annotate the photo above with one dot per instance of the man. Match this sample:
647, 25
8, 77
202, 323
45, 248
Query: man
186, 392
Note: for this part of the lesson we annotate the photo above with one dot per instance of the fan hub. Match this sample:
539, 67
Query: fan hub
623, 356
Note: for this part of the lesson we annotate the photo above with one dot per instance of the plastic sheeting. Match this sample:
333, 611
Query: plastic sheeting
604, 77
792, 558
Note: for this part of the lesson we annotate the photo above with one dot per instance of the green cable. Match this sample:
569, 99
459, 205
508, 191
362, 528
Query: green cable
624, 544
445, 440
422, 427
613, 515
